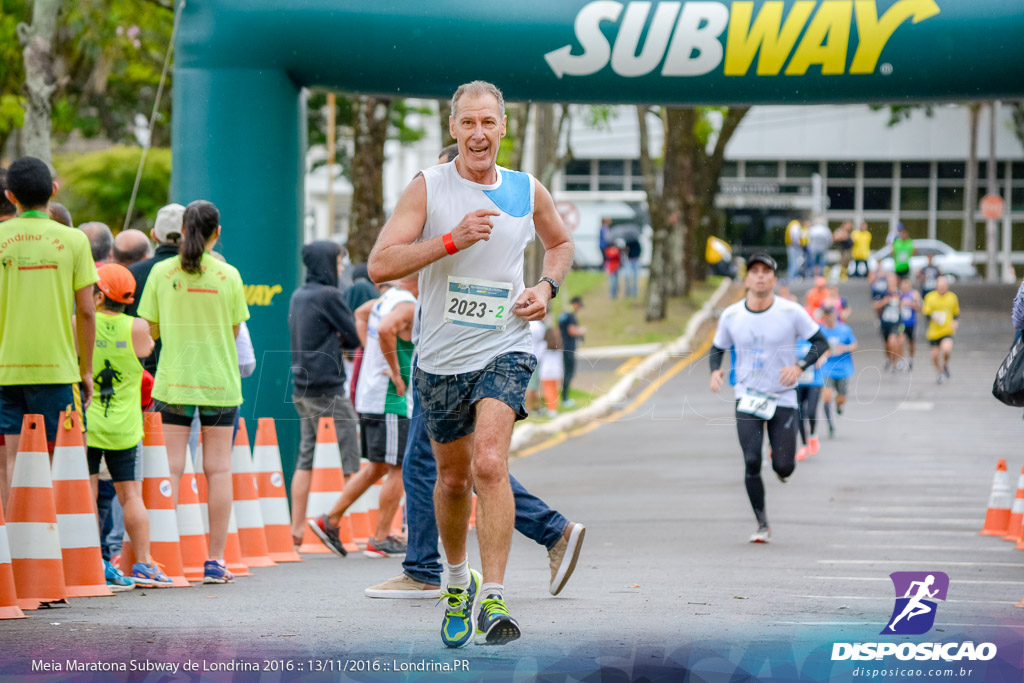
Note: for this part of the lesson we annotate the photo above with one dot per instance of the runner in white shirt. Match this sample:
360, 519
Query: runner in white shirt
764, 330
465, 225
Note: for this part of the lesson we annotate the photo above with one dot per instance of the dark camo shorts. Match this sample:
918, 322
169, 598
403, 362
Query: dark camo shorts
447, 401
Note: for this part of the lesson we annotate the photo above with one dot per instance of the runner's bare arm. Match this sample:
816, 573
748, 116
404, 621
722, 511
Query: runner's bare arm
558, 253
142, 343
394, 324
397, 253
362, 316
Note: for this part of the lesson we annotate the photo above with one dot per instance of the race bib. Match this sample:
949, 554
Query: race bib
907, 312
477, 303
807, 376
891, 314
939, 317
758, 404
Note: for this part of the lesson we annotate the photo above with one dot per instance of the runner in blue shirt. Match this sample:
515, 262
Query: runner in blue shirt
838, 367
808, 393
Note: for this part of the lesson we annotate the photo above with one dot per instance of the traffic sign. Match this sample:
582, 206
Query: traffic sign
570, 214
992, 206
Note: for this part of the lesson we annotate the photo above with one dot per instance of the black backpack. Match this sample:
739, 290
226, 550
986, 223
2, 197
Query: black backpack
1009, 384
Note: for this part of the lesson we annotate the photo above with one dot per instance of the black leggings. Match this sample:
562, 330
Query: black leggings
807, 399
781, 436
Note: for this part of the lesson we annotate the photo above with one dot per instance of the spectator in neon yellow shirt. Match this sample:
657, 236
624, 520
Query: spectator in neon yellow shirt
195, 303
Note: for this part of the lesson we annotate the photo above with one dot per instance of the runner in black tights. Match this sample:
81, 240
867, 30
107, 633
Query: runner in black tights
765, 331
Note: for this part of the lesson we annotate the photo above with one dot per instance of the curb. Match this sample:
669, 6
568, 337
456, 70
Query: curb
528, 434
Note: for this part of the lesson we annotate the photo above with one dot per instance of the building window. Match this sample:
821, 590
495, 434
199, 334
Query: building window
762, 169
983, 170
577, 175
877, 198
952, 169
878, 169
801, 169
912, 198
950, 231
915, 169
840, 198
730, 169
917, 227
841, 169
951, 199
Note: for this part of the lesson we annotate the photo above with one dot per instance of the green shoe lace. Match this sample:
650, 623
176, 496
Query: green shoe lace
494, 607
455, 603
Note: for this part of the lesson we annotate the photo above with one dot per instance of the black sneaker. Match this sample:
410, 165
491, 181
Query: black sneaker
945, 371
389, 547
494, 625
327, 533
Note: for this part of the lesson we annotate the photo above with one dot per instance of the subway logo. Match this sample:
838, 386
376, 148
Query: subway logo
695, 38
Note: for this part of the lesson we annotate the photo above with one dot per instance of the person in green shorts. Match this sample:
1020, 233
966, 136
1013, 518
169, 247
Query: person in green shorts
115, 417
902, 250
195, 304
46, 273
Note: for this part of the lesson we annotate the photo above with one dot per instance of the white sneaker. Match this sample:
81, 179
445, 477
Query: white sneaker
562, 558
762, 535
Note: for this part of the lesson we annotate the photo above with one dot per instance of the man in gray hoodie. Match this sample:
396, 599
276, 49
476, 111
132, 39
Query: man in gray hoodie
320, 326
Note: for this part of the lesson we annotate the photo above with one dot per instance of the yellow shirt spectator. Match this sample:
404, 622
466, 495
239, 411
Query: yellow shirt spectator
942, 309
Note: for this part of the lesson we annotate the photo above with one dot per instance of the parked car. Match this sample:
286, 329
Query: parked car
958, 264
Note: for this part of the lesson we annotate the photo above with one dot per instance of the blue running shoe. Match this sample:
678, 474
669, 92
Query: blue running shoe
216, 572
494, 625
117, 582
150, 575
459, 605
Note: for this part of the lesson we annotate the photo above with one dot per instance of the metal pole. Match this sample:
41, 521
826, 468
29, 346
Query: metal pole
991, 233
1009, 277
331, 110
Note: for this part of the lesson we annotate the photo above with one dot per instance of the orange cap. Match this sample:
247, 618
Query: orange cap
117, 282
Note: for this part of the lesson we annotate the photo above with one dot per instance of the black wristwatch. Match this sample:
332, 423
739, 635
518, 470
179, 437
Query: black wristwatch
802, 364
554, 286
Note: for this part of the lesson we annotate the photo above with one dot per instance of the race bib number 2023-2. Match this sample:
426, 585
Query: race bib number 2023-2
477, 303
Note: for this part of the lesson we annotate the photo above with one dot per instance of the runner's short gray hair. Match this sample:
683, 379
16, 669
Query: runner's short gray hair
477, 88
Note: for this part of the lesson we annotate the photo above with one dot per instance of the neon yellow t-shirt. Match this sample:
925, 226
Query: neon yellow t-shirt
196, 312
42, 265
861, 245
941, 309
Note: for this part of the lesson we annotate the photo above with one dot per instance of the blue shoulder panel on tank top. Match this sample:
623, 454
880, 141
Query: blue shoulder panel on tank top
513, 195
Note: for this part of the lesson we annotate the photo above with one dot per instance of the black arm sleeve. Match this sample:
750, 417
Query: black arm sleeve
343, 321
716, 357
819, 345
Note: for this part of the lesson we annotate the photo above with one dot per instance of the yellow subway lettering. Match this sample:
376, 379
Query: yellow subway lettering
269, 294
873, 33
826, 40
768, 33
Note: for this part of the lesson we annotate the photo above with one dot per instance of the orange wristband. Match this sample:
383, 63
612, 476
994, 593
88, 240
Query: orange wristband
449, 243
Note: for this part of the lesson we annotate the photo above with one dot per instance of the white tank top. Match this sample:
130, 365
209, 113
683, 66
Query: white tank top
447, 348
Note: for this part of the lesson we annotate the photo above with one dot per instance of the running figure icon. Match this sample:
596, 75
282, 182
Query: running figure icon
104, 381
916, 607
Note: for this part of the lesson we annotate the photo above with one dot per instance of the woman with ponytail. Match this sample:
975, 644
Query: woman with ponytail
195, 304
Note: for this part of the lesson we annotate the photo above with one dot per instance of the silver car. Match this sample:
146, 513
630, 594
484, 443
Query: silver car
958, 264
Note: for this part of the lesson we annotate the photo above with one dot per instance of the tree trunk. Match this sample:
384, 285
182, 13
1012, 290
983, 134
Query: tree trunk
518, 120
370, 131
679, 143
40, 80
445, 111
968, 240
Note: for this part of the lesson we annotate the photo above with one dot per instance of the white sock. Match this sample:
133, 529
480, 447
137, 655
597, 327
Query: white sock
489, 589
458, 574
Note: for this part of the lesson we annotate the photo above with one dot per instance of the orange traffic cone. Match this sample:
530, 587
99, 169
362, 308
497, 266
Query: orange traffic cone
232, 548
273, 501
1015, 527
247, 503
36, 558
398, 523
76, 513
191, 532
997, 519
373, 503
164, 543
8, 595
326, 484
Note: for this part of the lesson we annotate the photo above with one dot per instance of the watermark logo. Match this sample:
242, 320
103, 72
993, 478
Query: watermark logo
915, 608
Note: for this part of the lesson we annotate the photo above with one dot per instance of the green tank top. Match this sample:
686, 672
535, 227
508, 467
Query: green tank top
115, 415
393, 403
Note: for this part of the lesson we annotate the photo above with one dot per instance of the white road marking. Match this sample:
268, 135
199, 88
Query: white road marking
887, 580
928, 562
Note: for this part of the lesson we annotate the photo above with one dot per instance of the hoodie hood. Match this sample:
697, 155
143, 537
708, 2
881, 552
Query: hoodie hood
321, 259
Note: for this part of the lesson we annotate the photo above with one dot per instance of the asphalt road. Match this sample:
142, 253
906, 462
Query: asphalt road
666, 581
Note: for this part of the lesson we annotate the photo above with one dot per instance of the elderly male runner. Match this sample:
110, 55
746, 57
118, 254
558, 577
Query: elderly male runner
466, 225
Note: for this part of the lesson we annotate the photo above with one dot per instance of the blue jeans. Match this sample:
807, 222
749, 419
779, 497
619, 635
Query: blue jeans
613, 284
534, 519
630, 273
111, 518
795, 255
